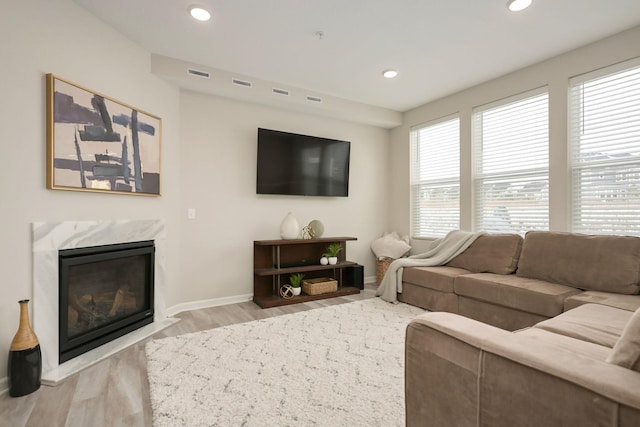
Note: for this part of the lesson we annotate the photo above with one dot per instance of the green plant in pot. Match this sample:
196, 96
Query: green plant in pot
296, 280
332, 251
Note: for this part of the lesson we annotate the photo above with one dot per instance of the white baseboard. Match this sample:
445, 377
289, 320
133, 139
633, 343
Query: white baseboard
4, 386
215, 302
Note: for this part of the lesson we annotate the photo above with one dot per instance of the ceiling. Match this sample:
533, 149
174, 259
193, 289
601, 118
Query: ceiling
438, 47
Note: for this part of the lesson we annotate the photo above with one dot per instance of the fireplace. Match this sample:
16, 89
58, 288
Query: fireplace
104, 292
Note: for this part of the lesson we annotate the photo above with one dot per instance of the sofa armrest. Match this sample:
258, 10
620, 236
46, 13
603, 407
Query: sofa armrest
459, 371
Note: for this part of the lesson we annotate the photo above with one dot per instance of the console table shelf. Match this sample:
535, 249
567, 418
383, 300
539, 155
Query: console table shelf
301, 269
275, 260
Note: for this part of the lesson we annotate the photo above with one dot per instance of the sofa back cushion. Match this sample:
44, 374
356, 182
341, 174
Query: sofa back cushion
597, 263
490, 253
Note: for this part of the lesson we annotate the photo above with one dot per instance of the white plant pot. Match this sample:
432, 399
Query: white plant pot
324, 260
296, 291
333, 260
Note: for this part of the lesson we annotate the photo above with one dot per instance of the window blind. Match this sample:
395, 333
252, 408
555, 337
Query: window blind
435, 178
604, 134
511, 177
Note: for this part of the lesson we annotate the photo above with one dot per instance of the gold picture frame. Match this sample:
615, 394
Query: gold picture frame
96, 143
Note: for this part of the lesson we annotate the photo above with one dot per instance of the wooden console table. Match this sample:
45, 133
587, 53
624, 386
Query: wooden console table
275, 260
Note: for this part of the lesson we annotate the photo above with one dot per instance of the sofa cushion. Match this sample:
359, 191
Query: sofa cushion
625, 302
520, 293
626, 351
509, 319
598, 263
436, 278
491, 253
599, 324
585, 348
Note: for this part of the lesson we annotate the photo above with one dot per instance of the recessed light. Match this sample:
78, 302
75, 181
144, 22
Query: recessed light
199, 13
518, 5
390, 73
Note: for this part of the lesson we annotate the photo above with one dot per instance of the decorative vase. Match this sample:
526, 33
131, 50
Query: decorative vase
296, 291
333, 260
25, 359
289, 228
324, 260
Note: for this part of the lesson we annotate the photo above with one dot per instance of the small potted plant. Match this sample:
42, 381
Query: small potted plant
332, 252
295, 280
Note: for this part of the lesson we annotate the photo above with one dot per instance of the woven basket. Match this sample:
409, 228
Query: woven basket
318, 286
382, 264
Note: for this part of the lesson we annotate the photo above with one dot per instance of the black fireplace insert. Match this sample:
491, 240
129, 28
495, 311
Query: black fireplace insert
105, 292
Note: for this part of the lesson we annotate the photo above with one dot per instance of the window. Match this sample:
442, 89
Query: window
604, 137
435, 178
511, 179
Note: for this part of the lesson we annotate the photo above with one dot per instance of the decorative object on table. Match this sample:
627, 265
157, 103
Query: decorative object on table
25, 359
289, 227
332, 252
286, 291
295, 280
324, 260
95, 143
317, 227
307, 232
318, 286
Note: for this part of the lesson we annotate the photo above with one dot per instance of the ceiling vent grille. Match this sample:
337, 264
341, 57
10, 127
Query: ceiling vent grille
198, 73
241, 82
280, 91
314, 99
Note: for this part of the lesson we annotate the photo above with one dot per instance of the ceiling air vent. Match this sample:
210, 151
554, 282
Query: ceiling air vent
198, 73
241, 82
280, 91
314, 99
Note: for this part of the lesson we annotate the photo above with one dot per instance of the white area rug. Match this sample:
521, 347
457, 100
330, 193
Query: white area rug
335, 366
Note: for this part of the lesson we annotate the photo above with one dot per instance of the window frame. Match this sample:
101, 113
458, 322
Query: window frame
418, 185
512, 185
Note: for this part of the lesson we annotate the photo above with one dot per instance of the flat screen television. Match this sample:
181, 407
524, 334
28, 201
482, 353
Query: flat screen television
302, 165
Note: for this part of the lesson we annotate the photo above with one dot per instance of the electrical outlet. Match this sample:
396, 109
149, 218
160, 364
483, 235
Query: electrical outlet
191, 213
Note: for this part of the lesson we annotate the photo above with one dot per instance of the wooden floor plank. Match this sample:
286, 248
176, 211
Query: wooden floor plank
115, 391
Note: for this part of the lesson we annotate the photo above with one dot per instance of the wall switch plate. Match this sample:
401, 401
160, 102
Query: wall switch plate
191, 213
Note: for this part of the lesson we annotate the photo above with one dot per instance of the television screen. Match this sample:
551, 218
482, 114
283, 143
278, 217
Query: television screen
292, 164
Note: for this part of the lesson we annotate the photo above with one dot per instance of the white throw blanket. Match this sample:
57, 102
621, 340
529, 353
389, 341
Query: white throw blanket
440, 252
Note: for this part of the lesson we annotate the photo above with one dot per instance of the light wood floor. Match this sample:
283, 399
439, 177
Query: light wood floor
115, 392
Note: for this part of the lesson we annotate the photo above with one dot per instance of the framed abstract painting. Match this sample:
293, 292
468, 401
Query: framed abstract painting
96, 143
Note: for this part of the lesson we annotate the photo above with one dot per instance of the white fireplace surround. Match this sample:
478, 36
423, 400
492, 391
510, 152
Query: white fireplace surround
48, 239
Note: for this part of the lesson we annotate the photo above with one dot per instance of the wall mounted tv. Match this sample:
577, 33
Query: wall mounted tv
292, 164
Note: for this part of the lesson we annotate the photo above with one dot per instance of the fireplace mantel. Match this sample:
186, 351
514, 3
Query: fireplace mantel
48, 239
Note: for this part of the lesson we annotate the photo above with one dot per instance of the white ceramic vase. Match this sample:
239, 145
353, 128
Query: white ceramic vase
296, 291
289, 228
333, 260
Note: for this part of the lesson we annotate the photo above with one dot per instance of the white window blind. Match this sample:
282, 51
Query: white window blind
511, 177
605, 150
435, 178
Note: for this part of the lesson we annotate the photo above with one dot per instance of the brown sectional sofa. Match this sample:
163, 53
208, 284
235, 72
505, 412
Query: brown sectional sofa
512, 283
574, 358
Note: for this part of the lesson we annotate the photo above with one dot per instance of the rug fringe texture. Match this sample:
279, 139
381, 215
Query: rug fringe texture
341, 365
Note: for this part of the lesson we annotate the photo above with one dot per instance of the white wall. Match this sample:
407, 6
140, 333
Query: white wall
218, 176
208, 163
554, 74
57, 36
